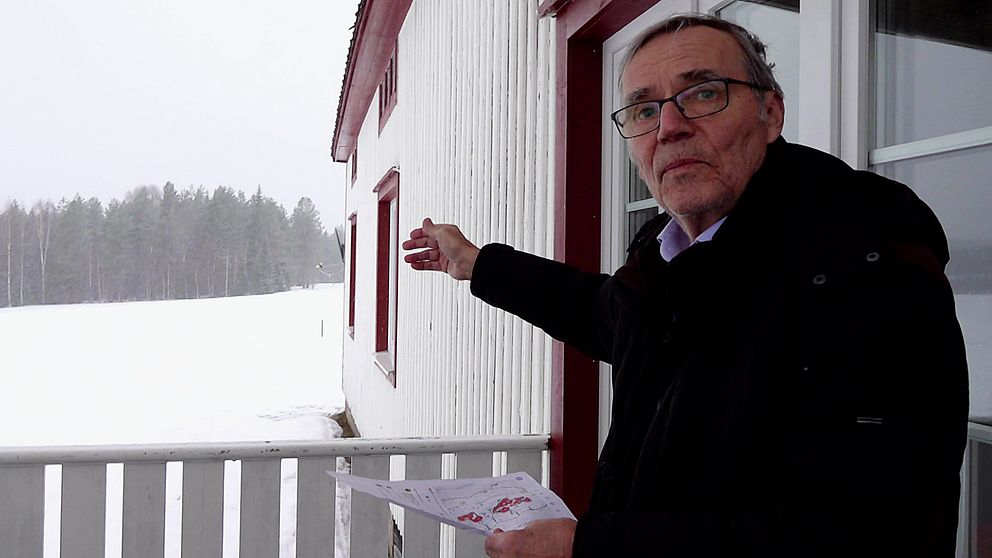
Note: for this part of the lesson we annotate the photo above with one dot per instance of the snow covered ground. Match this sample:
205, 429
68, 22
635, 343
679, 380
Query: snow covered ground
212, 370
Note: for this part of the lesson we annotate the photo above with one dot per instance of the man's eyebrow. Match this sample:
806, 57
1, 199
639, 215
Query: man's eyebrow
699, 74
690, 77
635, 95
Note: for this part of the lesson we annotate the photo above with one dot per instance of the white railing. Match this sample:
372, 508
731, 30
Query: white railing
82, 523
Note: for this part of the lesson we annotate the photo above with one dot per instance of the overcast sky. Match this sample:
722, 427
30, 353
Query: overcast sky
101, 96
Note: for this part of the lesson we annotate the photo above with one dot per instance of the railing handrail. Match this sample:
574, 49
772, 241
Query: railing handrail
344, 447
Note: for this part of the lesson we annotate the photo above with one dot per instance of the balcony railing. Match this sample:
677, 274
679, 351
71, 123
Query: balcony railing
82, 523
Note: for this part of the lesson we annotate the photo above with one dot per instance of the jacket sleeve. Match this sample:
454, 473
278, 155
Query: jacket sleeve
849, 485
570, 305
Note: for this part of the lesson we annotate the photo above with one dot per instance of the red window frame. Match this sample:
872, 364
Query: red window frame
352, 259
387, 89
354, 165
387, 265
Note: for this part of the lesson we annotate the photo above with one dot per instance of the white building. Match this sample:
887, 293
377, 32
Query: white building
495, 116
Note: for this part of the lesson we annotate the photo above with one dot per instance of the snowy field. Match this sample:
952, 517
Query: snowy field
212, 370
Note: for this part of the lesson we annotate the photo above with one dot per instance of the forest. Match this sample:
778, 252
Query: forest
160, 244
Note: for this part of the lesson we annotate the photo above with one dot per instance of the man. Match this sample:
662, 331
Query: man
789, 375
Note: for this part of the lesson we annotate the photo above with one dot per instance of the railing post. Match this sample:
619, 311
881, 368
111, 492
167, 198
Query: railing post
470, 465
22, 505
203, 508
143, 528
260, 487
84, 510
371, 530
315, 503
421, 534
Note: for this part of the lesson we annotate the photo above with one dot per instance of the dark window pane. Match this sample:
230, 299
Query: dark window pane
636, 188
933, 68
636, 220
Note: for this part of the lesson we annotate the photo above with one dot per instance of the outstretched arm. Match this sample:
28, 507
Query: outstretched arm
447, 250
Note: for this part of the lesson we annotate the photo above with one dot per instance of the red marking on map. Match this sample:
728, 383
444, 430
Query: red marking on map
505, 504
471, 516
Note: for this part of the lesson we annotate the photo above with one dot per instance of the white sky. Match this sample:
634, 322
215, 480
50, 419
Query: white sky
99, 97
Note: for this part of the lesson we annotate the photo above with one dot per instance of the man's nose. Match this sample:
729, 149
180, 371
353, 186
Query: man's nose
673, 125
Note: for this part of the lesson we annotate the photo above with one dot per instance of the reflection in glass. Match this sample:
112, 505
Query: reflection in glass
636, 188
776, 23
636, 220
955, 185
933, 68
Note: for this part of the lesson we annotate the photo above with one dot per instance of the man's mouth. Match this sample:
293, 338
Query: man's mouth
680, 164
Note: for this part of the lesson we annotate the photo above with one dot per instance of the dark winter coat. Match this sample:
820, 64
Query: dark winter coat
795, 387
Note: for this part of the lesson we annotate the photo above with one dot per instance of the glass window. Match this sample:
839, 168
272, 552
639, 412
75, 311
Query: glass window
955, 185
776, 23
637, 189
933, 74
637, 219
933, 68
640, 206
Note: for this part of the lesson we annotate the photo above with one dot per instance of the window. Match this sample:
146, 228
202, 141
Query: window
933, 132
776, 23
387, 266
387, 91
354, 165
352, 258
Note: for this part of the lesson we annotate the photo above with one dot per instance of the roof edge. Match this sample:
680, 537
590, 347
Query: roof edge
377, 26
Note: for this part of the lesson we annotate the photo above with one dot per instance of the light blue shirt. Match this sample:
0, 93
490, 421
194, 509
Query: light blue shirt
673, 239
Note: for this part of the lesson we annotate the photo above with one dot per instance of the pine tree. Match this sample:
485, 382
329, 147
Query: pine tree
306, 231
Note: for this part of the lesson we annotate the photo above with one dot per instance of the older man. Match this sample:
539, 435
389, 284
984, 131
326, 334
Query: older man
789, 374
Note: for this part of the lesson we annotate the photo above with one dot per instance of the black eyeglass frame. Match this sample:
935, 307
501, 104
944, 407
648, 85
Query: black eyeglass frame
727, 82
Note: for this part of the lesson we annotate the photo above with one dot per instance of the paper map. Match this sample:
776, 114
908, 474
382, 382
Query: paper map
509, 502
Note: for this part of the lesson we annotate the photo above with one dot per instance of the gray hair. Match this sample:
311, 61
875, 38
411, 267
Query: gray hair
759, 70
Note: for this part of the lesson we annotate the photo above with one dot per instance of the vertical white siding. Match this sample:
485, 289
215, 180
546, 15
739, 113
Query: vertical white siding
473, 138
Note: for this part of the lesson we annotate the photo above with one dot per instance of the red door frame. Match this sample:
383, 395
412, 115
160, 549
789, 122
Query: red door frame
582, 27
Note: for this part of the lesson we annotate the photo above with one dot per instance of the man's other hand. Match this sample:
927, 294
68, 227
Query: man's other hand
544, 538
447, 250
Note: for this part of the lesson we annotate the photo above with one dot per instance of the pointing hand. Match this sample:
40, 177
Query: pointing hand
447, 250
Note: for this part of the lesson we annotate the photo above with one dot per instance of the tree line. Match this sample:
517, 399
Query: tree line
159, 244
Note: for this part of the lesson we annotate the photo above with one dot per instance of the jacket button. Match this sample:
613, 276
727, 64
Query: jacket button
872, 256
605, 470
820, 279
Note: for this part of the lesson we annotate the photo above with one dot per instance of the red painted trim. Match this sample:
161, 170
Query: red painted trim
354, 165
388, 190
598, 20
583, 26
389, 89
375, 36
353, 259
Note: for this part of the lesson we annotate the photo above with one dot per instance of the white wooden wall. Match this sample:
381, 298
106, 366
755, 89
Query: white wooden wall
473, 137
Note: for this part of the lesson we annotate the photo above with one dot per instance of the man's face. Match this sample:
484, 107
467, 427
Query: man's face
697, 169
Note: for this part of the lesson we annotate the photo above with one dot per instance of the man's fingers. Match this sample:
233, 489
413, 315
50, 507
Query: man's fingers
426, 255
419, 242
494, 544
426, 266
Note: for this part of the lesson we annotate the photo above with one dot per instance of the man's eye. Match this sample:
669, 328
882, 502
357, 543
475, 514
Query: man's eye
705, 94
645, 112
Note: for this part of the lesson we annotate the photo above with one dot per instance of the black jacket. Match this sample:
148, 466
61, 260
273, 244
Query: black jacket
795, 387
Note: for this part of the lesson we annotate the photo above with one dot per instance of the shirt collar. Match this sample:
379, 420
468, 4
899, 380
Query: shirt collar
674, 240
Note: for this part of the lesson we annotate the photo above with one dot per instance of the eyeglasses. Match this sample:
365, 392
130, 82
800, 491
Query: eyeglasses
696, 101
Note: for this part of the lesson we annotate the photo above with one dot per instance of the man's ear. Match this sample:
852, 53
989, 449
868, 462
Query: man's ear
774, 115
